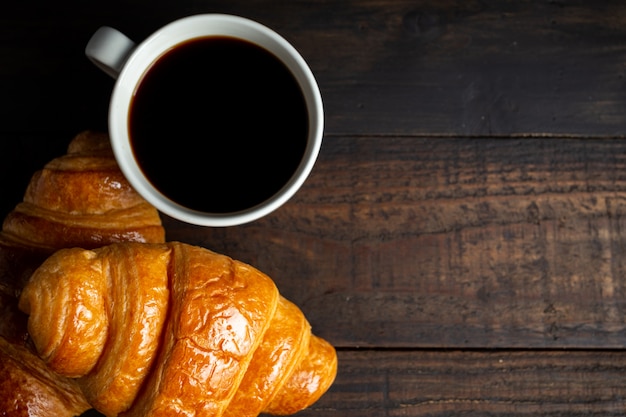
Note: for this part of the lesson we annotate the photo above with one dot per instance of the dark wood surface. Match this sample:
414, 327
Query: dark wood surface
462, 238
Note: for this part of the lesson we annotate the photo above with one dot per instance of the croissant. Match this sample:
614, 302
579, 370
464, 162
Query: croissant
174, 329
79, 199
40, 392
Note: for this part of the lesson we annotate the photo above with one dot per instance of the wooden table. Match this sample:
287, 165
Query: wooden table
462, 238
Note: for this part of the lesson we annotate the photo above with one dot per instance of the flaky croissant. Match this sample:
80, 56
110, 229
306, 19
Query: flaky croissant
174, 329
82, 199
28, 388
79, 199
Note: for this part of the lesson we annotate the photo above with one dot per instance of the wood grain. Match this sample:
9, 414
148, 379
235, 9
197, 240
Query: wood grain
462, 68
444, 242
461, 239
476, 383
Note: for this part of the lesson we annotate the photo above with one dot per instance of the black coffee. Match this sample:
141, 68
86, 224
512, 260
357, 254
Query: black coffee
218, 124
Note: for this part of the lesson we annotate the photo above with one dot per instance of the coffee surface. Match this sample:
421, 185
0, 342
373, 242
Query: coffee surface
218, 124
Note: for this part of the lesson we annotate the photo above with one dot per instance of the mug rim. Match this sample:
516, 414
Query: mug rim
148, 52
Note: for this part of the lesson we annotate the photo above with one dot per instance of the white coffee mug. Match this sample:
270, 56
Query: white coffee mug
127, 62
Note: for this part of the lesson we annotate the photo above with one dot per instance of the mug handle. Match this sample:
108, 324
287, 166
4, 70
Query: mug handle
109, 49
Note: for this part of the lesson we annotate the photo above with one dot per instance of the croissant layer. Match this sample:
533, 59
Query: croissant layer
40, 391
78, 199
82, 199
174, 329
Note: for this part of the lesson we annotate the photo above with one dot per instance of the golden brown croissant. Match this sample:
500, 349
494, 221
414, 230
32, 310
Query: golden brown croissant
79, 199
174, 329
40, 392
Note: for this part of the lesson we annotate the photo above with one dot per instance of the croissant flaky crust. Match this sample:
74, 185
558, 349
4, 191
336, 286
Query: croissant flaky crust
41, 392
79, 199
174, 329
82, 199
